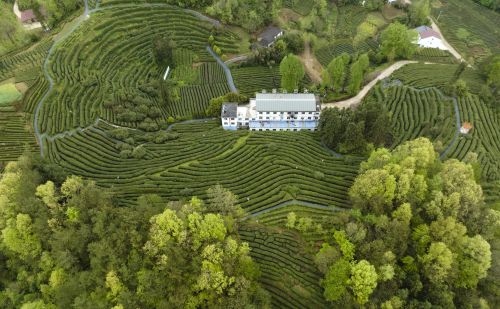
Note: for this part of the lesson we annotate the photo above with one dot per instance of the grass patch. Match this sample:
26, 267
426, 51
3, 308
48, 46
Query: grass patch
9, 94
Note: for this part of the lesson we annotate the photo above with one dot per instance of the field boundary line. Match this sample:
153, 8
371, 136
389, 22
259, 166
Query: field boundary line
229, 76
294, 203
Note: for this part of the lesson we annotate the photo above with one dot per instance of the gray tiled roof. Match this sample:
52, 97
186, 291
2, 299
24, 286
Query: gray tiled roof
268, 36
422, 29
229, 110
286, 102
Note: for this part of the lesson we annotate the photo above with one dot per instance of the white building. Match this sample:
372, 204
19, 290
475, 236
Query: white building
274, 112
428, 38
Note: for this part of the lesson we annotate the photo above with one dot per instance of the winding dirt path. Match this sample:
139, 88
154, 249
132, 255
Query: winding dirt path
311, 64
357, 99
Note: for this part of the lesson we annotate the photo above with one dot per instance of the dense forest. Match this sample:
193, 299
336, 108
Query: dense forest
64, 243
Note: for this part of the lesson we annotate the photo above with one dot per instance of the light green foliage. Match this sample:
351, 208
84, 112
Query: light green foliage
386, 272
419, 12
403, 213
474, 260
428, 226
47, 193
38, 304
346, 247
363, 280
292, 72
165, 227
72, 186
458, 177
249, 14
114, 284
223, 201
358, 69
70, 244
19, 237
437, 262
291, 220
397, 42
374, 189
8, 94
12, 35
337, 280
139, 152
335, 73
448, 231
393, 303
460, 88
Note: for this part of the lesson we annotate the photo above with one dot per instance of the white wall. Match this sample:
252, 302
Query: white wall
432, 42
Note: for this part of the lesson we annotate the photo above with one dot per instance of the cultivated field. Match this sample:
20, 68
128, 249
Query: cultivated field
90, 71
471, 28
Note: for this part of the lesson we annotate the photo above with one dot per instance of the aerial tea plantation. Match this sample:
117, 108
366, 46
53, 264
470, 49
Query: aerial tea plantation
107, 64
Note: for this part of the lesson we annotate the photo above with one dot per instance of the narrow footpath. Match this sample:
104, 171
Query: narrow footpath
452, 50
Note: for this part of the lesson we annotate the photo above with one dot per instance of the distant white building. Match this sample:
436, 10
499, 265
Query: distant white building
274, 112
428, 38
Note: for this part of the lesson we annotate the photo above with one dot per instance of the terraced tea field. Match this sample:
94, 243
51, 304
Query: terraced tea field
288, 272
263, 169
415, 117
418, 113
471, 28
88, 70
15, 135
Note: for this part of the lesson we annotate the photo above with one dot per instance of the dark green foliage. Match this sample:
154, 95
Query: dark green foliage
250, 14
294, 42
215, 105
348, 131
269, 56
163, 52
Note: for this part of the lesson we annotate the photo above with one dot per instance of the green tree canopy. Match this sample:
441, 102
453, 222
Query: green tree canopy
69, 245
397, 41
419, 219
292, 72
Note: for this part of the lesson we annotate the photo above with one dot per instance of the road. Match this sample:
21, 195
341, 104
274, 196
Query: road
452, 50
229, 76
357, 99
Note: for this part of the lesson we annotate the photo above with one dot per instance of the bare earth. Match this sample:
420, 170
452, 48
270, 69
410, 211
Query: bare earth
357, 99
311, 64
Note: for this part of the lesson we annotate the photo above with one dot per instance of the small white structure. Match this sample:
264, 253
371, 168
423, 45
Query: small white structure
274, 112
466, 127
429, 38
